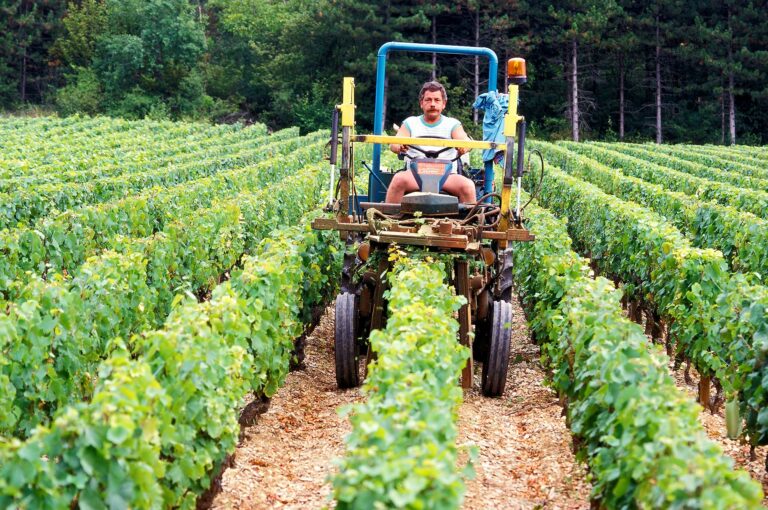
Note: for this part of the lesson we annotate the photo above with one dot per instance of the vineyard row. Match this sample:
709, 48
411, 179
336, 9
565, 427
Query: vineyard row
162, 418
57, 331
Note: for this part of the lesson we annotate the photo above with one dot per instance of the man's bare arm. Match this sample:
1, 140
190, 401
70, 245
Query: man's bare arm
459, 134
396, 147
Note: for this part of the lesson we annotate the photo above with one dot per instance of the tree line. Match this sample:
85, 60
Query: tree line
668, 71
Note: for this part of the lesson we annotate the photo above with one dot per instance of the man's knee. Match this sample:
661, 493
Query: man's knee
460, 186
404, 181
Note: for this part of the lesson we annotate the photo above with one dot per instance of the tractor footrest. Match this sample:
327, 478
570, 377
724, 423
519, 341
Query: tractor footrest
332, 224
460, 242
512, 234
383, 207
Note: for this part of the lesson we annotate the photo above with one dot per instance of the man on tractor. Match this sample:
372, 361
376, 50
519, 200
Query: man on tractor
432, 124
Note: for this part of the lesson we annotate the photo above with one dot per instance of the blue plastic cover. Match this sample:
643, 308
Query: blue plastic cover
495, 107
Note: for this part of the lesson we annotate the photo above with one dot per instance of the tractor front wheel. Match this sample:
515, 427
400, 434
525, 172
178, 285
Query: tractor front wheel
345, 344
497, 362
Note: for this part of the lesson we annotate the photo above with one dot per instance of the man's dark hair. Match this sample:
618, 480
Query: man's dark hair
433, 86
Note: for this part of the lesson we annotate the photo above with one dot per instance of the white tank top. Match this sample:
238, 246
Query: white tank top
443, 128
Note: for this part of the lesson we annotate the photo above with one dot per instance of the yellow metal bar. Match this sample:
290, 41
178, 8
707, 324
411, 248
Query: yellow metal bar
506, 198
347, 105
511, 118
432, 142
510, 131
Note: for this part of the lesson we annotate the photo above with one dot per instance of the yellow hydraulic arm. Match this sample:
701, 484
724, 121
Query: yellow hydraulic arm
514, 126
346, 172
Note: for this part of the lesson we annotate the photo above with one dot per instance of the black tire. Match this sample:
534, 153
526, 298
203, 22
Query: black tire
505, 275
483, 328
345, 343
496, 365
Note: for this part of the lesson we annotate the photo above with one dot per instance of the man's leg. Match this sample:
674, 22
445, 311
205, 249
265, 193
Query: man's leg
402, 183
461, 187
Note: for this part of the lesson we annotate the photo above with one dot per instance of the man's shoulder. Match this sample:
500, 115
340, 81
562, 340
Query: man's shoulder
444, 120
450, 121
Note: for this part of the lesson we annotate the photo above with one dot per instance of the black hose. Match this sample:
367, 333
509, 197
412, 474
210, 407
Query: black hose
535, 192
481, 202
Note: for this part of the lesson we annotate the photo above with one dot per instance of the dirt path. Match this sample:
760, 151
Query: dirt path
714, 424
284, 460
524, 460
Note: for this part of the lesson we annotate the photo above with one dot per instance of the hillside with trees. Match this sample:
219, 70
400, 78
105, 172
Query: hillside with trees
678, 71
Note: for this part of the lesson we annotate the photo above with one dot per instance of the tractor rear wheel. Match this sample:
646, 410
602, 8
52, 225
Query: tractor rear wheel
497, 363
505, 275
345, 343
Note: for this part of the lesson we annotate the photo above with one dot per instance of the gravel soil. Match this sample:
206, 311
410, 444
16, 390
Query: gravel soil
714, 424
284, 460
524, 449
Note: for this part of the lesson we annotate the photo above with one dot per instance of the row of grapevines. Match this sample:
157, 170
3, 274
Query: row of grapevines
741, 236
169, 151
98, 134
743, 159
163, 416
10, 123
81, 154
637, 432
402, 450
726, 158
56, 332
25, 205
752, 201
747, 159
717, 319
62, 243
31, 152
41, 129
669, 159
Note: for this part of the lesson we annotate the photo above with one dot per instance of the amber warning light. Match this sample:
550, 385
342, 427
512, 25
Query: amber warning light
516, 71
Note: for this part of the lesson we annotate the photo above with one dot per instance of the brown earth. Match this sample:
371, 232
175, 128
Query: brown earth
525, 458
524, 449
284, 460
714, 424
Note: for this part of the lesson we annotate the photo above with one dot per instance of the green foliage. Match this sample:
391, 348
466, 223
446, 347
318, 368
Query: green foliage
639, 434
137, 104
63, 242
750, 200
27, 30
105, 451
82, 95
282, 61
711, 169
741, 236
720, 158
145, 55
402, 450
23, 206
118, 61
61, 329
715, 318
84, 24
163, 417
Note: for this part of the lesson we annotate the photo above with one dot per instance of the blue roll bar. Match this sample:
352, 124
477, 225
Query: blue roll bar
378, 113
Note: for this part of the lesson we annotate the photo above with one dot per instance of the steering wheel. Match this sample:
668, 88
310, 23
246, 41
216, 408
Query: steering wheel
436, 153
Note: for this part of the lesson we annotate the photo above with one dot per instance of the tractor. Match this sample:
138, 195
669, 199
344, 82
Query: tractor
476, 239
